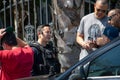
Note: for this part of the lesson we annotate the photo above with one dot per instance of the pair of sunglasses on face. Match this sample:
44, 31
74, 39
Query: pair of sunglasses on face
110, 17
100, 10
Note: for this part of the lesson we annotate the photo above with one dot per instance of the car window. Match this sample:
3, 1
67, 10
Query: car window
107, 64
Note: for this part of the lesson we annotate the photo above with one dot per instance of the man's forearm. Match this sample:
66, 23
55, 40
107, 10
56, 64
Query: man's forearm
21, 43
79, 39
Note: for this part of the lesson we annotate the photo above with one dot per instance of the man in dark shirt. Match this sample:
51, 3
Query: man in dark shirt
45, 57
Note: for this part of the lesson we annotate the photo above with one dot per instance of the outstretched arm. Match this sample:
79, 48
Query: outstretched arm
21, 43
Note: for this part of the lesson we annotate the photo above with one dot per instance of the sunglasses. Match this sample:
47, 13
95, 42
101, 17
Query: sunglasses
110, 17
100, 10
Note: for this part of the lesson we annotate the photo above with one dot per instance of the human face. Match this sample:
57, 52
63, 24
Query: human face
110, 17
100, 10
46, 34
116, 21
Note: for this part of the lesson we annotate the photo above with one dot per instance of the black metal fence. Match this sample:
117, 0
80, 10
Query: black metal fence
25, 16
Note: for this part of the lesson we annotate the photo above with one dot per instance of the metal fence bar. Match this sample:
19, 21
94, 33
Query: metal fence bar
28, 12
22, 6
35, 19
109, 4
4, 3
89, 6
16, 26
41, 12
10, 2
46, 11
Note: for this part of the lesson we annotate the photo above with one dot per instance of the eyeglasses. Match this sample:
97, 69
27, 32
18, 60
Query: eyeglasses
110, 17
100, 10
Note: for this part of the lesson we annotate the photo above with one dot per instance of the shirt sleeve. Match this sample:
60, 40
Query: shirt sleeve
81, 27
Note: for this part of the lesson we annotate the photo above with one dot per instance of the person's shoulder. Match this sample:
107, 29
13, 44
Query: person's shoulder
26, 49
112, 28
5, 51
4, 54
88, 16
35, 44
111, 32
105, 18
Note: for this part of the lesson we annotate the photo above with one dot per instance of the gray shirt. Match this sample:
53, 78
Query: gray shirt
91, 28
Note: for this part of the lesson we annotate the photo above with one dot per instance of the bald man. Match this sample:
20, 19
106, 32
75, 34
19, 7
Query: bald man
114, 17
91, 26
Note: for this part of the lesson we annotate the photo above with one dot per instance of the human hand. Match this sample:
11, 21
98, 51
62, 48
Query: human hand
101, 41
92, 44
2, 33
85, 45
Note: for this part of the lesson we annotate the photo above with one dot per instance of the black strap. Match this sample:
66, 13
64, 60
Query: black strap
40, 50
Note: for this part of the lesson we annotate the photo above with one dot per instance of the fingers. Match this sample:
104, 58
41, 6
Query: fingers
88, 45
2, 33
85, 45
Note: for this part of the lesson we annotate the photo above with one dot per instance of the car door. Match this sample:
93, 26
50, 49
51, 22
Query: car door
106, 66
102, 64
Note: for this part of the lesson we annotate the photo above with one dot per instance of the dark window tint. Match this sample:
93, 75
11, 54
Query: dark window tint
107, 64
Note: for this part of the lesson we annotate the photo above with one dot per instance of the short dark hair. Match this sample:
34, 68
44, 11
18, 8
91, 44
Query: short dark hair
9, 38
104, 2
39, 29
